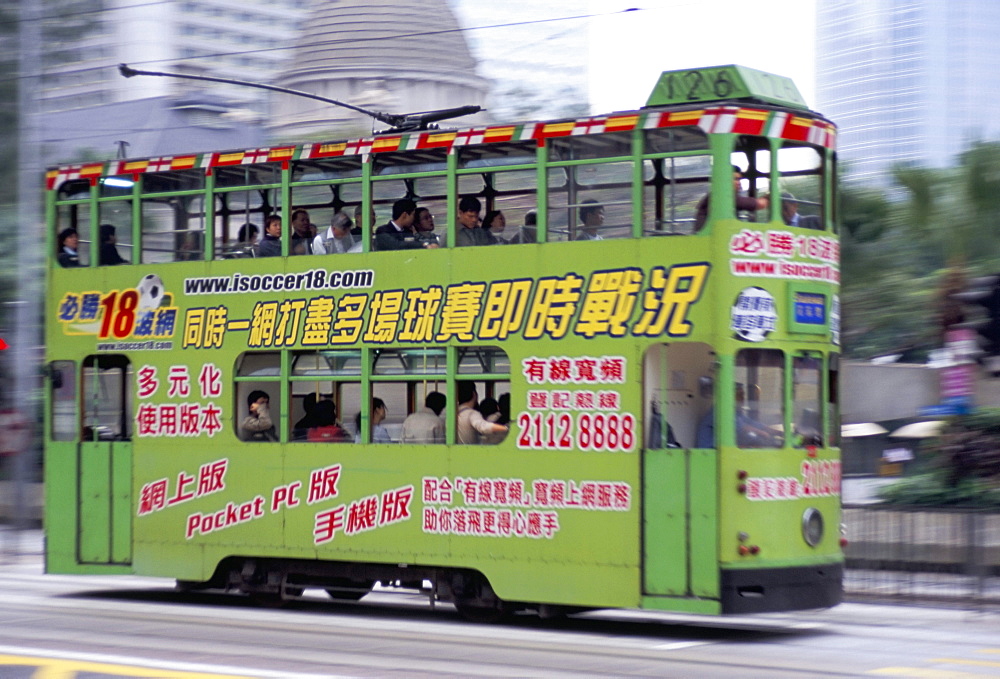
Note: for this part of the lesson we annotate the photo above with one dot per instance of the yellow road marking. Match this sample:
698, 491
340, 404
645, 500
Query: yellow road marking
923, 673
959, 661
50, 668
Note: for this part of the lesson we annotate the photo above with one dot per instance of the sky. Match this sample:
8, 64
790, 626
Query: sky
629, 50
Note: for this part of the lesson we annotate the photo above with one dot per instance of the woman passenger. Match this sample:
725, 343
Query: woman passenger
494, 224
379, 433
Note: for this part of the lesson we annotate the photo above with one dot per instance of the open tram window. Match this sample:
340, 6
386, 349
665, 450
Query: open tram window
62, 378
324, 393
258, 396
488, 370
77, 218
801, 167
807, 400
173, 228
750, 168
758, 398
401, 380
114, 233
675, 179
594, 202
427, 192
239, 222
106, 386
513, 194
176, 181
232, 176
673, 188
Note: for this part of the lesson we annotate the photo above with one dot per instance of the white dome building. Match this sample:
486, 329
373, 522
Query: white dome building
393, 56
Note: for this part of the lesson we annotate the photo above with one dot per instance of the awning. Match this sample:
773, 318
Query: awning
850, 431
919, 430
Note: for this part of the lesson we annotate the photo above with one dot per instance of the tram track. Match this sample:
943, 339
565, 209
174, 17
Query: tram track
406, 638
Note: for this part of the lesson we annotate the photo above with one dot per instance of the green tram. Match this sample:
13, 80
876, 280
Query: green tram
659, 331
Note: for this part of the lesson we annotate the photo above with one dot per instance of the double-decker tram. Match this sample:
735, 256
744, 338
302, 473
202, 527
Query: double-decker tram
269, 373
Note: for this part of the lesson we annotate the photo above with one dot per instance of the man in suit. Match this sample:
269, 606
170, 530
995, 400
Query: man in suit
399, 233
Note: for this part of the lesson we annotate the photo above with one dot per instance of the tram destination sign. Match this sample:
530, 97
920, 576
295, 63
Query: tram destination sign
718, 83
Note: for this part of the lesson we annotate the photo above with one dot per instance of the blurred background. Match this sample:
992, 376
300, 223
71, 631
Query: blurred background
912, 84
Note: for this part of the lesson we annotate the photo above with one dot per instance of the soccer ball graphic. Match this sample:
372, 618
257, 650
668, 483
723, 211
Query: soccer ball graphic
151, 291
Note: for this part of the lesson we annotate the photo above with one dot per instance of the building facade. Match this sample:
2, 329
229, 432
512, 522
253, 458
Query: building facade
907, 81
85, 40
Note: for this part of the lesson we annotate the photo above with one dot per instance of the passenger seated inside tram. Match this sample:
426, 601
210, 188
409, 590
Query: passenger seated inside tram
258, 425
67, 243
246, 242
109, 251
791, 217
592, 219
743, 203
529, 232
325, 428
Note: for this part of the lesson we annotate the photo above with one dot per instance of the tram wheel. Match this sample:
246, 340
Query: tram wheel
477, 612
349, 590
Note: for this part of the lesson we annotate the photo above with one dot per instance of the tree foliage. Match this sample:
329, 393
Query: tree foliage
963, 466
901, 250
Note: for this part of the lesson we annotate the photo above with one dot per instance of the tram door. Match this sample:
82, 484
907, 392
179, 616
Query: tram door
104, 462
679, 508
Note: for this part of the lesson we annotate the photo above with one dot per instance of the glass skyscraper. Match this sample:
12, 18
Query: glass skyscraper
907, 81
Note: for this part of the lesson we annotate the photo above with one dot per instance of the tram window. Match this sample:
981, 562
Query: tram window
74, 189
424, 427
115, 187
807, 401
675, 140
386, 423
512, 192
496, 155
489, 369
759, 398
417, 361
330, 168
62, 378
483, 361
752, 159
427, 192
595, 203
672, 189
801, 169
170, 182
317, 412
106, 385
264, 174
118, 215
590, 146
409, 162
77, 216
239, 222
257, 373
493, 403
306, 393
327, 363
173, 229
833, 399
